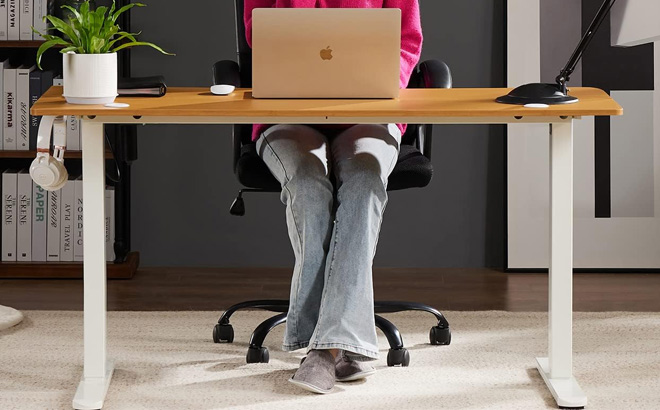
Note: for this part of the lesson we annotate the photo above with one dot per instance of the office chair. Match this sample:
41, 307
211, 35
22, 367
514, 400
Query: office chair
413, 169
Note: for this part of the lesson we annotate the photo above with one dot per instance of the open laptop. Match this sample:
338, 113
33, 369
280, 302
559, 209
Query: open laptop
326, 53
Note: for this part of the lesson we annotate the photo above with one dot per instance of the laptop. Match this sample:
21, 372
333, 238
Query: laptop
325, 53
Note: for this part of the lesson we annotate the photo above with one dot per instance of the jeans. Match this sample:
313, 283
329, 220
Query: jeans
334, 188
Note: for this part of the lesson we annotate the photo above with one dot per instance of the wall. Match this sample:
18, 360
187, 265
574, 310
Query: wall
183, 182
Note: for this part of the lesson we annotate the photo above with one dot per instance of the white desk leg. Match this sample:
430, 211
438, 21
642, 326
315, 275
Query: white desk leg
97, 371
557, 368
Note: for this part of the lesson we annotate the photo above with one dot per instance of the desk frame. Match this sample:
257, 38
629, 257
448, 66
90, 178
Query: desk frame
556, 369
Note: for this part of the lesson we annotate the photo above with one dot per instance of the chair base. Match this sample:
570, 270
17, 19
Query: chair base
398, 355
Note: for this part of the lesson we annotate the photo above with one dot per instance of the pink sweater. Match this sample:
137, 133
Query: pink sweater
411, 31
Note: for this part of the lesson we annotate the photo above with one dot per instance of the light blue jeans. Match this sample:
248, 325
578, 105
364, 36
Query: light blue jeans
333, 228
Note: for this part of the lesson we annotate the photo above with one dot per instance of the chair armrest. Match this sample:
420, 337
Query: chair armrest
434, 74
226, 72
431, 74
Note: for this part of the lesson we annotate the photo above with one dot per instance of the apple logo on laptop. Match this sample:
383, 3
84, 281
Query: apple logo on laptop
326, 53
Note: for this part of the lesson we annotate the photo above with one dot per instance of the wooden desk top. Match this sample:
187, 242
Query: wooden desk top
454, 102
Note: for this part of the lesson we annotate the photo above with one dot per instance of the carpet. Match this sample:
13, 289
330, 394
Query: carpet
167, 360
9, 317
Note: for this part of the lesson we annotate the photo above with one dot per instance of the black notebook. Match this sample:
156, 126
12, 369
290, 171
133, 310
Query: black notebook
142, 86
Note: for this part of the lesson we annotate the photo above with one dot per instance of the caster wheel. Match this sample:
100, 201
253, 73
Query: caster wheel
440, 336
257, 355
223, 333
398, 356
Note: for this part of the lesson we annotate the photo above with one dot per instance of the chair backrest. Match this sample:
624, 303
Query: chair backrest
244, 54
242, 47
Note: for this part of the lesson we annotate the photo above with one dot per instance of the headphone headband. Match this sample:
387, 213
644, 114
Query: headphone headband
46, 125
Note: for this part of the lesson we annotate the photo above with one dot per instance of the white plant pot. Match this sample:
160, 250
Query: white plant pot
90, 78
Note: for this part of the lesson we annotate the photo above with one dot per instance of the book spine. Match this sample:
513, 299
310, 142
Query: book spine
9, 109
41, 10
13, 22
53, 234
26, 19
35, 93
3, 67
67, 222
9, 190
23, 108
46, 81
3, 20
39, 223
37, 16
24, 230
73, 133
78, 217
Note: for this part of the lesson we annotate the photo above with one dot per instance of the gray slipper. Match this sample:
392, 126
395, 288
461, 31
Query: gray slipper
347, 370
316, 372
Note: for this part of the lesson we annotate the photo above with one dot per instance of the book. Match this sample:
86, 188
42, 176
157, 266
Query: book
73, 133
39, 222
24, 219
46, 81
3, 65
41, 10
110, 224
35, 93
9, 214
78, 217
9, 109
53, 230
67, 221
142, 86
22, 111
3, 20
25, 25
13, 23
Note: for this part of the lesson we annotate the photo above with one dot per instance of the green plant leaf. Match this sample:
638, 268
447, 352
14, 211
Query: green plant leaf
141, 43
125, 8
96, 45
98, 18
64, 28
74, 12
120, 36
48, 44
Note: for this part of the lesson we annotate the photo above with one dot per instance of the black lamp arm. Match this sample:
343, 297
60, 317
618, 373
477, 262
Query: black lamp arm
565, 74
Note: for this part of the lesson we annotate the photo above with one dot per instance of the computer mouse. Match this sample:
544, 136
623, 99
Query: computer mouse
222, 89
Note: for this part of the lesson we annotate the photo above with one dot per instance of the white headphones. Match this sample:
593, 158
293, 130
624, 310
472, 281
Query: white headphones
46, 170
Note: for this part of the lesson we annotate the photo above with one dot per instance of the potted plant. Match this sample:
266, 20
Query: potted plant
90, 40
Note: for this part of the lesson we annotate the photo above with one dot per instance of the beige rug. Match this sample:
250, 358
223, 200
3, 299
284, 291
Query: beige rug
167, 360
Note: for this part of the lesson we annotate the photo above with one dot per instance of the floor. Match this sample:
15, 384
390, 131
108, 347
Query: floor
163, 289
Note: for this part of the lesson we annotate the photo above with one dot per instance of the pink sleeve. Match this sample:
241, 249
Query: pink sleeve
411, 36
247, 15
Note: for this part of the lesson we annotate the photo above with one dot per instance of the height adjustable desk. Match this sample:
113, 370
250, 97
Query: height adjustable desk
418, 106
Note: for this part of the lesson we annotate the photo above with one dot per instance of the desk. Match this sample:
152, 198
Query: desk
418, 106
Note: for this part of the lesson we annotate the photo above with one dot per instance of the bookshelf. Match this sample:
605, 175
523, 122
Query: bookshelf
123, 140
32, 153
23, 44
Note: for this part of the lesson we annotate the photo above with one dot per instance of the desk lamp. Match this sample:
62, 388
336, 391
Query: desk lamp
545, 93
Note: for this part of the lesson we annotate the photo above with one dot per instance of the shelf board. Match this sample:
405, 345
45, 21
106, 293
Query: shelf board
32, 154
24, 44
66, 270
